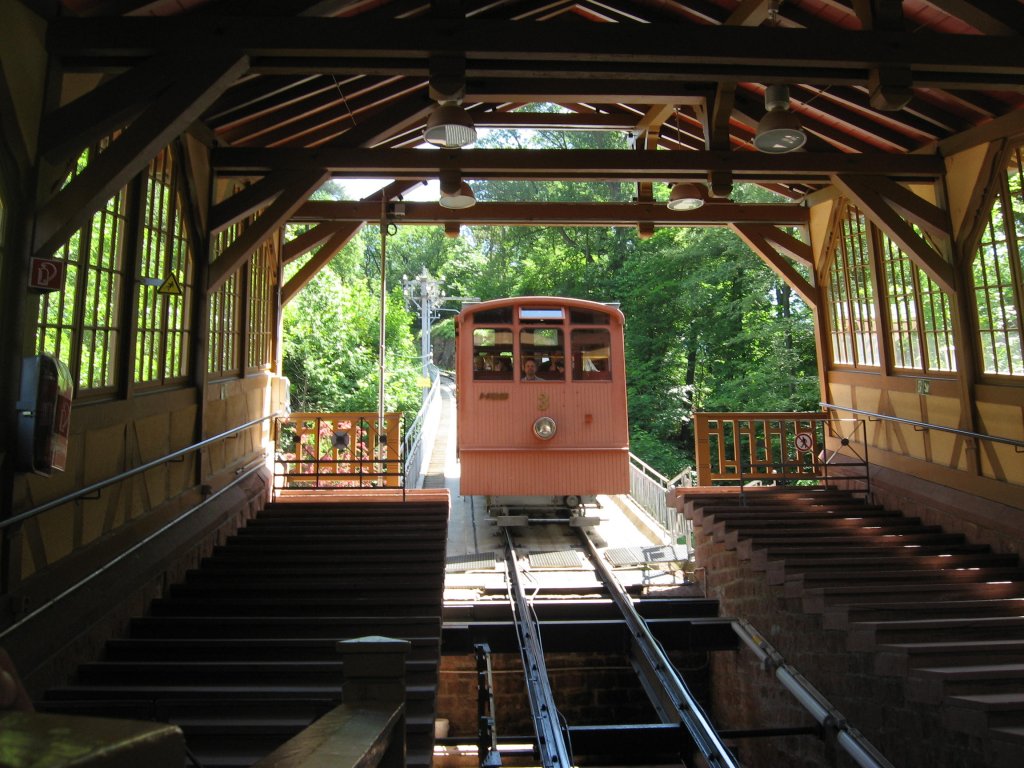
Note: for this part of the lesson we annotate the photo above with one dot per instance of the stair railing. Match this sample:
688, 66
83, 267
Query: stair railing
649, 488
421, 432
922, 425
97, 487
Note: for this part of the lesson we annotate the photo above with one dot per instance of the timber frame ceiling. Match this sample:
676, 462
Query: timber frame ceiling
296, 91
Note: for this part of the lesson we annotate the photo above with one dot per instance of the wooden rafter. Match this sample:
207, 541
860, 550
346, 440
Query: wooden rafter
197, 85
887, 208
111, 105
312, 238
341, 237
765, 240
332, 237
298, 189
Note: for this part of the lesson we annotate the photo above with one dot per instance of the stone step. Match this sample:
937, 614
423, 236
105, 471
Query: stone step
325, 676
762, 555
930, 685
897, 659
976, 714
395, 604
306, 584
321, 626
841, 615
865, 635
704, 515
778, 570
310, 556
818, 600
211, 570
248, 649
370, 536
798, 584
853, 535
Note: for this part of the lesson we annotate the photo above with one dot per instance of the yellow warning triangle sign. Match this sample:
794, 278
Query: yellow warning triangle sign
170, 286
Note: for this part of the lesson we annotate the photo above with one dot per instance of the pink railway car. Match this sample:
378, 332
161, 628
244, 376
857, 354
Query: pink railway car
541, 402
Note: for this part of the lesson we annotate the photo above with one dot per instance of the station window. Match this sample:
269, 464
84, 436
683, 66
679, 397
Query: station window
998, 275
80, 323
591, 351
165, 293
920, 316
492, 354
225, 334
851, 295
545, 348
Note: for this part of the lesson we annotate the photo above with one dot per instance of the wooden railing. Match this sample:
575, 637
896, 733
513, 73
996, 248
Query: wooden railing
338, 450
776, 448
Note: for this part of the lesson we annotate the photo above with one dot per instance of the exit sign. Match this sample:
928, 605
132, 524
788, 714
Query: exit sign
46, 275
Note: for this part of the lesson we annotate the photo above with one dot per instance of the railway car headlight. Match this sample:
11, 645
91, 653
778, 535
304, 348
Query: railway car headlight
544, 428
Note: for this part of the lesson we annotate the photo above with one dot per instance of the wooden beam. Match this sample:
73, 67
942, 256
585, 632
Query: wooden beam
760, 238
495, 48
197, 86
870, 199
249, 199
291, 197
569, 214
308, 240
579, 165
68, 130
749, 13
309, 270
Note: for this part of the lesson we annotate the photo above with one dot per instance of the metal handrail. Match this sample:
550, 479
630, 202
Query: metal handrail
924, 425
137, 546
15, 519
820, 708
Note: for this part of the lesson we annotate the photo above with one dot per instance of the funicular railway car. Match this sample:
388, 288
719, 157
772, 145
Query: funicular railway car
542, 403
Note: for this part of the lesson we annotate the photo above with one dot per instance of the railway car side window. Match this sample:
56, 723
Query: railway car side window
541, 354
492, 354
591, 348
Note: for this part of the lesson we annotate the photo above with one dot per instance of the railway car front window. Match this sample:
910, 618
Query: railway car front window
591, 349
541, 354
492, 354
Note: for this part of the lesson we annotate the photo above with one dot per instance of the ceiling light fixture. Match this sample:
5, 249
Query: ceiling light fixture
687, 196
449, 126
779, 130
456, 194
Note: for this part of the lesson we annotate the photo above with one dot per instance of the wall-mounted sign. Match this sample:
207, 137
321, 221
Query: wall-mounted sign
170, 286
46, 275
804, 441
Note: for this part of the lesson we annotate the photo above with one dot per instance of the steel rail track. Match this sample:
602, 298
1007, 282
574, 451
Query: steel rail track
552, 742
672, 698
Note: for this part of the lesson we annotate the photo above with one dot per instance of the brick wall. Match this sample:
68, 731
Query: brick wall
744, 695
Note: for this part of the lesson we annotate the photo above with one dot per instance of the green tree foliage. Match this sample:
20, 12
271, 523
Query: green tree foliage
331, 342
708, 325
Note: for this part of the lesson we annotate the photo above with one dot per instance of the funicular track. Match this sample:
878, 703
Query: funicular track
680, 714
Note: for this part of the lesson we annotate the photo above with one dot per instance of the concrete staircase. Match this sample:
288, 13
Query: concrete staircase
916, 604
242, 654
